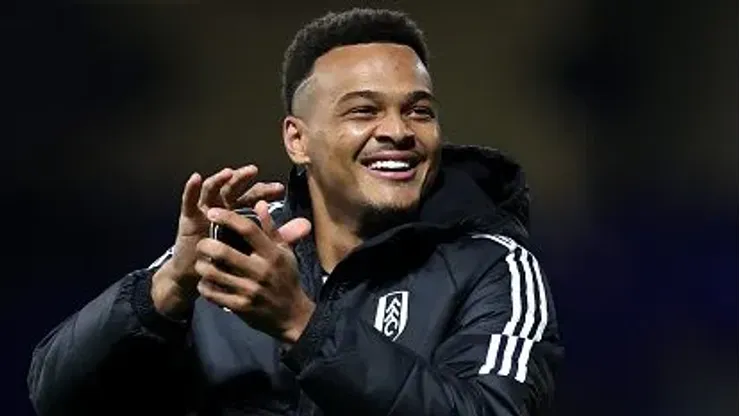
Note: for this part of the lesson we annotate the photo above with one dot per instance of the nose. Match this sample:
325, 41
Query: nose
395, 129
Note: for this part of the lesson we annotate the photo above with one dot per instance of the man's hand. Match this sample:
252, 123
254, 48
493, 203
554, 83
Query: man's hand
262, 288
174, 284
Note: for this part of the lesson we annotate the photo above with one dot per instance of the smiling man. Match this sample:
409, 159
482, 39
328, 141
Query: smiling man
394, 278
363, 124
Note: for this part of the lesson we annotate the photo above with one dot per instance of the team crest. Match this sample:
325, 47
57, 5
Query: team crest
392, 314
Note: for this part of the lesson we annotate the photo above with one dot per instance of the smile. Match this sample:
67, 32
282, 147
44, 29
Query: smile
396, 166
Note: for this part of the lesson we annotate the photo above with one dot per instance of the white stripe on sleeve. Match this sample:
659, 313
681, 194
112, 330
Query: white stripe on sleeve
516, 298
491, 356
163, 258
522, 292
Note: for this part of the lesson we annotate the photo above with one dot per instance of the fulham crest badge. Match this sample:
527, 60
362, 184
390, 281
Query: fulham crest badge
392, 314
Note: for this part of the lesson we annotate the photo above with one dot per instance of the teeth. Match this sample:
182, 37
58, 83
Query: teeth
390, 164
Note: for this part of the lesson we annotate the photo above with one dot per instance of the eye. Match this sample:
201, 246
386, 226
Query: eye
364, 110
422, 112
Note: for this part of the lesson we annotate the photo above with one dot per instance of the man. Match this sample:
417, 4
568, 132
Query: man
393, 279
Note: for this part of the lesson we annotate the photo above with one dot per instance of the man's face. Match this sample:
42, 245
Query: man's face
371, 135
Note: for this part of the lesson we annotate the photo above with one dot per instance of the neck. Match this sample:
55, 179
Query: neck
334, 233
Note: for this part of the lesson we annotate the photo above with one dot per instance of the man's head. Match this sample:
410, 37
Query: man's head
361, 118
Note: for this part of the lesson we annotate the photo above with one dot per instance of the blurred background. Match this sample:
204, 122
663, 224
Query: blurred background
623, 113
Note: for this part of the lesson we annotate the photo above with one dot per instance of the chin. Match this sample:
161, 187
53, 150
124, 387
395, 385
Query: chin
399, 198
396, 205
379, 216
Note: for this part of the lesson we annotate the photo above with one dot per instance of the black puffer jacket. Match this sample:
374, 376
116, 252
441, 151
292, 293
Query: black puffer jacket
448, 315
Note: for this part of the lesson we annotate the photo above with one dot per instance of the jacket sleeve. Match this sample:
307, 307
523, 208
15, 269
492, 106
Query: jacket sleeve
498, 358
116, 355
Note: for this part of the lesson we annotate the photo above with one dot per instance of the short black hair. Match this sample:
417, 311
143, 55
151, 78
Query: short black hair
351, 27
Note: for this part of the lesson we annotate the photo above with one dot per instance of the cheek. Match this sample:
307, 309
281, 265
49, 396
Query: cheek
319, 148
315, 151
358, 130
430, 137
340, 147
331, 159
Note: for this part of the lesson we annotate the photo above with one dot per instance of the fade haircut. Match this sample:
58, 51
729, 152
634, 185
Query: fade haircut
351, 27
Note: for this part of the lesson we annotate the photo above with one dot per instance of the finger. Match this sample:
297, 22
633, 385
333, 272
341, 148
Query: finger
237, 184
259, 241
294, 230
228, 282
209, 194
237, 303
269, 191
227, 259
220, 253
263, 212
190, 195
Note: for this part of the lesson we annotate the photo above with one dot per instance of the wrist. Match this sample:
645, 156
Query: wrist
140, 298
294, 332
169, 298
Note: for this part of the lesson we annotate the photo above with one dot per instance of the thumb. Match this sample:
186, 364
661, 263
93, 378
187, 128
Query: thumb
295, 230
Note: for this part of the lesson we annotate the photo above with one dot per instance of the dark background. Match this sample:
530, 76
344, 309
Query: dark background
623, 113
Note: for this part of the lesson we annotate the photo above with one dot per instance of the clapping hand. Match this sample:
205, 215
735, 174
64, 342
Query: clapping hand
263, 288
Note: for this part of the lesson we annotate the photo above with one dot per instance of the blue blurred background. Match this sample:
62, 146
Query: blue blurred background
623, 113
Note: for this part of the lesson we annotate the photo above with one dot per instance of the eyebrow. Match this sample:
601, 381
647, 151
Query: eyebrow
375, 95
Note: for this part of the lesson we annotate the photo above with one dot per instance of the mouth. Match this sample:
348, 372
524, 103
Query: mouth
392, 165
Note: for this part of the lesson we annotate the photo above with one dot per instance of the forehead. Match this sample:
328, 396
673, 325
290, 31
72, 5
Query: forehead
383, 67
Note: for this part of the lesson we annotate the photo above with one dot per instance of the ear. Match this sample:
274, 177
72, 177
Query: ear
295, 140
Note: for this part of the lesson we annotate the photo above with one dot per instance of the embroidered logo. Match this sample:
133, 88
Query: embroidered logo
392, 314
